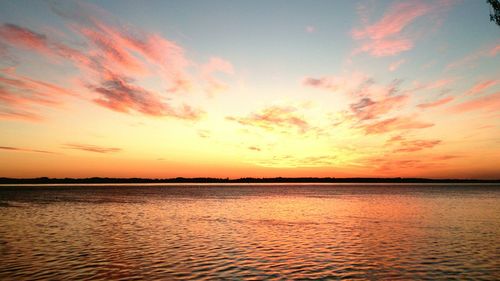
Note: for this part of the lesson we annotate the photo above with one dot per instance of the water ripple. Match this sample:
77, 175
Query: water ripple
250, 232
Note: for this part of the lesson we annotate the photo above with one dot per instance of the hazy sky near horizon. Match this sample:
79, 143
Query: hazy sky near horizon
249, 88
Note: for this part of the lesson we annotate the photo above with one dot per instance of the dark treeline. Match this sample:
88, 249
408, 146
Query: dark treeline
45, 180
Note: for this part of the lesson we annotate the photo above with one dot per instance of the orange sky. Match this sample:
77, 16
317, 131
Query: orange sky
262, 89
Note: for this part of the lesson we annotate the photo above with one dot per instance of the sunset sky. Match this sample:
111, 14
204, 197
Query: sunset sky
249, 88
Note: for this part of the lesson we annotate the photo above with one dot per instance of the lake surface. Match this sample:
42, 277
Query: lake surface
250, 232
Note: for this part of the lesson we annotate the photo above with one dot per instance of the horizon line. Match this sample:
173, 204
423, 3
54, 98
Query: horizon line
48, 180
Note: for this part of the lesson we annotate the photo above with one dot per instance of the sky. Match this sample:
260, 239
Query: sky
249, 89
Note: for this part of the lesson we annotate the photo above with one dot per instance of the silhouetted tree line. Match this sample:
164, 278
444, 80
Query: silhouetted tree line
46, 180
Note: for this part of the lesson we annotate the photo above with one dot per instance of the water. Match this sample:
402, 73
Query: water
273, 232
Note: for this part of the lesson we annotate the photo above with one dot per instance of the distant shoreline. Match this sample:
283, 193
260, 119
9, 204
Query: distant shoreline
46, 180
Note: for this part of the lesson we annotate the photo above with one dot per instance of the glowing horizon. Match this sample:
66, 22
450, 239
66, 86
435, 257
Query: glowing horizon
249, 89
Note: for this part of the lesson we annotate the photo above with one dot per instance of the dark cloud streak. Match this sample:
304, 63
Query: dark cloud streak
91, 148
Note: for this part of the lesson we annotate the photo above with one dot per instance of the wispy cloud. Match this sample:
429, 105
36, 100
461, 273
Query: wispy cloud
115, 45
389, 35
374, 104
274, 118
91, 148
433, 85
389, 165
446, 157
111, 53
395, 124
291, 161
397, 163
25, 38
470, 60
111, 50
20, 96
19, 114
367, 108
338, 83
19, 149
356, 86
481, 86
204, 133
119, 94
208, 71
404, 145
436, 103
395, 65
383, 38
490, 103
494, 50
21, 37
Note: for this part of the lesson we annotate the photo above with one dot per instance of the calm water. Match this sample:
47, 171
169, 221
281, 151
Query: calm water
280, 232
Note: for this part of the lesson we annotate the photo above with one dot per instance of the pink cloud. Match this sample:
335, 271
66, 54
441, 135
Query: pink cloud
109, 50
437, 84
436, 103
395, 139
208, 71
394, 21
494, 51
23, 37
388, 36
14, 99
395, 65
386, 47
122, 44
384, 37
19, 114
372, 100
111, 53
19, 95
217, 65
129, 51
394, 124
490, 103
166, 55
119, 94
358, 86
481, 86
470, 60
25, 83
434, 85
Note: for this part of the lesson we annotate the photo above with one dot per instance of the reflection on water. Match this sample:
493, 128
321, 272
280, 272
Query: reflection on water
250, 232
